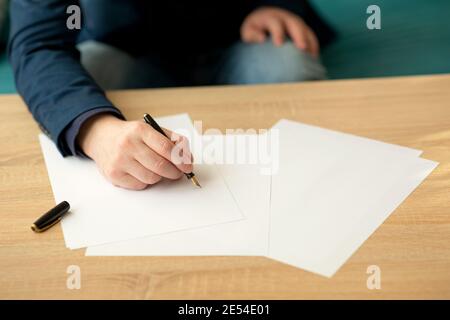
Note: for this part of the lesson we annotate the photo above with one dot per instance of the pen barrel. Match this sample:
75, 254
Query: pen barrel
150, 121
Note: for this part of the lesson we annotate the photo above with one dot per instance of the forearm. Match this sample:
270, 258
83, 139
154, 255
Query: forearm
48, 74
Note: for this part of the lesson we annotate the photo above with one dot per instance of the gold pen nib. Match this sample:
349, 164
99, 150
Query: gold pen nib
195, 181
191, 176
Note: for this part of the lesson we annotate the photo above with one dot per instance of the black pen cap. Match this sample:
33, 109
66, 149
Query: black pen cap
50, 218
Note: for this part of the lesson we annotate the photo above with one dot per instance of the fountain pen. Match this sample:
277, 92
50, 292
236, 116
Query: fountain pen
151, 122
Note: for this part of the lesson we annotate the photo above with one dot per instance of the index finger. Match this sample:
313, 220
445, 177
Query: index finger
297, 31
166, 148
181, 151
314, 43
276, 30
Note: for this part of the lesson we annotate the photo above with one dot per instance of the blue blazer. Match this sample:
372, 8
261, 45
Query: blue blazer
46, 63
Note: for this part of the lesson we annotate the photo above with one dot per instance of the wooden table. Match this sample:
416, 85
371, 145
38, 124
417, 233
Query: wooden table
412, 247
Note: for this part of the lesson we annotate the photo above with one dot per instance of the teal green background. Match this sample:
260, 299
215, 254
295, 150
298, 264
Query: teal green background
414, 39
6, 77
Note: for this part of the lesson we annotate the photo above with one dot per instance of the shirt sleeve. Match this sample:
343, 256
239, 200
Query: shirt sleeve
46, 64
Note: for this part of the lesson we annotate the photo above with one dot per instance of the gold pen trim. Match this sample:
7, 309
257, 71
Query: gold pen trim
195, 181
37, 230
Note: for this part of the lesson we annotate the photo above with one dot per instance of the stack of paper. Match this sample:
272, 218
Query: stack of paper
102, 213
328, 194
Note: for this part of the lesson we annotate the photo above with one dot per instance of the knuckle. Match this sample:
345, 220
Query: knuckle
160, 165
165, 146
187, 167
136, 128
142, 127
124, 142
183, 140
113, 172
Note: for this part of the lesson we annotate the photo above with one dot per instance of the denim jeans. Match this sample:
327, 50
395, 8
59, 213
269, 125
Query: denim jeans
242, 63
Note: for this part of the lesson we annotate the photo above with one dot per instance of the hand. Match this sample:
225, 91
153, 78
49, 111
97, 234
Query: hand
131, 154
278, 23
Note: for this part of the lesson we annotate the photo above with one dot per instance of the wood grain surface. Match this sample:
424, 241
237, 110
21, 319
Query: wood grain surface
412, 247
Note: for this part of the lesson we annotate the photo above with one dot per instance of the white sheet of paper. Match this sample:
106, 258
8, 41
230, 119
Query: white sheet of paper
102, 213
332, 191
247, 237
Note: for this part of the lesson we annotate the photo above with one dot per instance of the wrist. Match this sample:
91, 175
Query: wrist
92, 131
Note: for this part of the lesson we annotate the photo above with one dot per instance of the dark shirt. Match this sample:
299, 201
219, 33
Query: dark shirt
59, 92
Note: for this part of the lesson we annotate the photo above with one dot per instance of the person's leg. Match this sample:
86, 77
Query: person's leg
264, 63
113, 68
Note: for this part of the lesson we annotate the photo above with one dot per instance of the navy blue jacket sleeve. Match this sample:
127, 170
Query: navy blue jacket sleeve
46, 64
71, 133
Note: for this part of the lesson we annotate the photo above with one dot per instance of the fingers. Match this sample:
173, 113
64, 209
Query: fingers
181, 155
313, 43
141, 173
276, 30
129, 182
154, 163
279, 23
302, 36
118, 172
181, 152
132, 155
165, 148
253, 34
297, 32
173, 136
